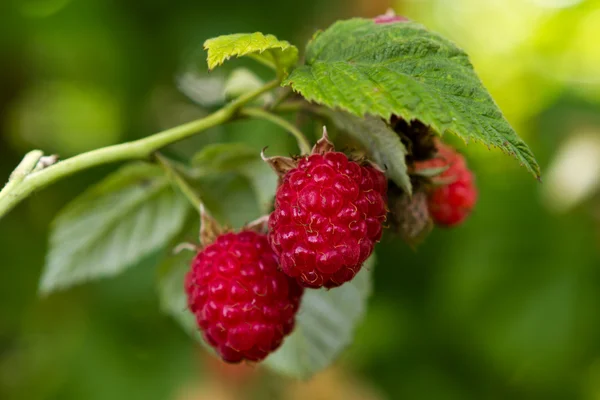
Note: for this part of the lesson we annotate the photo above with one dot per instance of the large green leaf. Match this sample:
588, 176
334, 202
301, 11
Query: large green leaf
244, 160
131, 214
381, 142
267, 49
325, 325
403, 69
173, 300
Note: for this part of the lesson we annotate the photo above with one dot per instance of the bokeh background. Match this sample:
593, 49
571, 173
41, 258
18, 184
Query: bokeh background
505, 306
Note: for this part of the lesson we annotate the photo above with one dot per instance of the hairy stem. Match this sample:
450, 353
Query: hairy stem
263, 114
17, 190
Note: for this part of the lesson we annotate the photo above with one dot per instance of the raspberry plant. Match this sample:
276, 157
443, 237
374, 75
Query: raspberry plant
387, 89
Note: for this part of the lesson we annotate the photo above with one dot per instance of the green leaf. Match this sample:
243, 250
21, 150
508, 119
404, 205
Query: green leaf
173, 299
131, 214
324, 326
381, 142
224, 157
403, 69
203, 89
267, 49
243, 160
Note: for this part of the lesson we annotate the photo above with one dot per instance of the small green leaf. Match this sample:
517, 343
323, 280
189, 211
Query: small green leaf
267, 49
110, 227
243, 160
325, 325
381, 142
403, 69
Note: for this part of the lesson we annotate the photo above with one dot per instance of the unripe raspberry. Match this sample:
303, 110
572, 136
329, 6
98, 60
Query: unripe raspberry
243, 304
328, 216
454, 195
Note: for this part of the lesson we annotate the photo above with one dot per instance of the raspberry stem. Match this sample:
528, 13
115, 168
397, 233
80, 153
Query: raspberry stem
277, 120
16, 191
179, 181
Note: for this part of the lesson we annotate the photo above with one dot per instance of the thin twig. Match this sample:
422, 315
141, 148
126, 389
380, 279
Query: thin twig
179, 181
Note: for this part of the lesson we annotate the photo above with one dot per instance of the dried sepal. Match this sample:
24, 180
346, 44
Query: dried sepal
409, 216
259, 225
185, 246
281, 165
209, 227
323, 145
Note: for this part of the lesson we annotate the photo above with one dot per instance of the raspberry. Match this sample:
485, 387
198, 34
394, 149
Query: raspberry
450, 203
328, 216
243, 304
389, 17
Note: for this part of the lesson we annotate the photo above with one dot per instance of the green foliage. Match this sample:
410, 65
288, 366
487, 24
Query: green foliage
243, 160
224, 157
403, 69
381, 142
325, 325
173, 299
242, 81
131, 214
267, 49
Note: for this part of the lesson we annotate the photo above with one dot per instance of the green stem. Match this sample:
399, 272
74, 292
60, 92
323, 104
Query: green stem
179, 181
260, 113
14, 192
25, 166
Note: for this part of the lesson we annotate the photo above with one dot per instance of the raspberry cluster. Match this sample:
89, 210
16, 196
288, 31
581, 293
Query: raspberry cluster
243, 304
328, 216
245, 288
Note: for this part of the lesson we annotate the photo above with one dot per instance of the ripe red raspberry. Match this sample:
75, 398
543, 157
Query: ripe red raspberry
328, 216
450, 203
243, 304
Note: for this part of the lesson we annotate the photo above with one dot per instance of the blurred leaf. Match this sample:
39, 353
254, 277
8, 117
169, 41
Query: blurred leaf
380, 141
241, 81
403, 69
132, 213
229, 197
204, 90
324, 326
173, 299
267, 49
224, 157
243, 160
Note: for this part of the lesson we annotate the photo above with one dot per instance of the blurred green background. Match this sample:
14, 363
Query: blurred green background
505, 306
